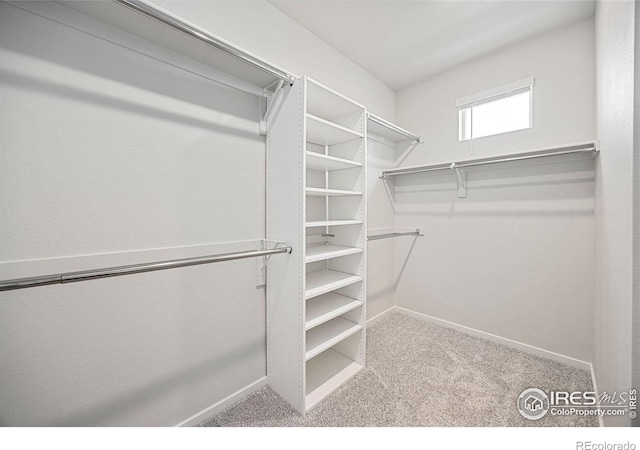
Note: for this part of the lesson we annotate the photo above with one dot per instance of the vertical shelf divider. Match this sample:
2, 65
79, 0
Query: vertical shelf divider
306, 361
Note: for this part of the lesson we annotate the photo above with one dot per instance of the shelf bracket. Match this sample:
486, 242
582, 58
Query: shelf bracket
272, 99
462, 180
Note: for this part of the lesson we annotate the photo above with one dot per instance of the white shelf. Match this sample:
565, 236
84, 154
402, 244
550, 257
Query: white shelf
183, 45
328, 334
323, 132
323, 101
332, 223
318, 161
328, 306
384, 128
326, 373
321, 192
324, 281
323, 252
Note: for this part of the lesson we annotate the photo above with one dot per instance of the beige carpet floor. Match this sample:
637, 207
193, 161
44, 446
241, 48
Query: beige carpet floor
419, 374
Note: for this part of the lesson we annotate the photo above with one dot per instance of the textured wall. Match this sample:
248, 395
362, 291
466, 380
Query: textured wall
381, 282
104, 154
614, 191
514, 258
262, 29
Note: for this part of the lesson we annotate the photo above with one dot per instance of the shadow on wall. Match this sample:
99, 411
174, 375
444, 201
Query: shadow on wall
30, 83
563, 188
65, 44
104, 414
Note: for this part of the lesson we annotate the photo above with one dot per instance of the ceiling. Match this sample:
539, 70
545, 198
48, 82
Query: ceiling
403, 42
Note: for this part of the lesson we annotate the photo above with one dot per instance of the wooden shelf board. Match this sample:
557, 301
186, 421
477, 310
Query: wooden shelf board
328, 306
326, 373
328, 334
324, 281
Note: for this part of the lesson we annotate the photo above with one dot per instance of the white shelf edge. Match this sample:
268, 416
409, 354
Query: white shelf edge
343, 164
330, 254
333, 306
327, 372
325, 132
322, 192
338, 329
332, 223
339, 281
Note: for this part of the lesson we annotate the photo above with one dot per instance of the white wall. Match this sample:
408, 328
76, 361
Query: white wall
514, 258
614, 193
262, 29
103, 150
381, 280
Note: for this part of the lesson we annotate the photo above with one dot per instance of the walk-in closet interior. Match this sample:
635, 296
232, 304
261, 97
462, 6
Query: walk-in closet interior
301, 213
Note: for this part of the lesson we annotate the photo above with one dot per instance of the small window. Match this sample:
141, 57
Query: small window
499, 110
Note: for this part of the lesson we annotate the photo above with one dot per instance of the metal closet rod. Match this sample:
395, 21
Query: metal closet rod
96, 274
396, 128
375, 237
205, 37
579, 148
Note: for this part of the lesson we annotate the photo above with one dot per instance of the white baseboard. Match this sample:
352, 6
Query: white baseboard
573, 362
595, 389
223, 404
380, 316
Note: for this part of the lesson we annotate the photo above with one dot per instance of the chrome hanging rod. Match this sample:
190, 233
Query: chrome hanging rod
590, 147
375, 237
201, 35
96, 274
396, 128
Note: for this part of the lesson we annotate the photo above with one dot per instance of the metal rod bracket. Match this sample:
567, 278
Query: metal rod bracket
271, 99
462, 180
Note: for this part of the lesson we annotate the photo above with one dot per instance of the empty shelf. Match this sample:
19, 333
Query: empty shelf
324, 281
185, 39
328, 306
326, 373
322, 252
323, 101
332, 223
318, 161
321, 192
323, 132
329, 334
388, 130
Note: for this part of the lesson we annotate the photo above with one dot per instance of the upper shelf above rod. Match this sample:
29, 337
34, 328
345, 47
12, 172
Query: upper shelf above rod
588, 147
384, 128
459, 166
143, 19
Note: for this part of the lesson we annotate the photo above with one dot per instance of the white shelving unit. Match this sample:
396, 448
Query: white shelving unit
316, 184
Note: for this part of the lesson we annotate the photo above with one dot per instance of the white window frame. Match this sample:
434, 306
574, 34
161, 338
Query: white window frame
465, 105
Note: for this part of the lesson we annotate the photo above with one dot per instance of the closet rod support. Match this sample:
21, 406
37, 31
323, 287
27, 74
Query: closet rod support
462, 180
